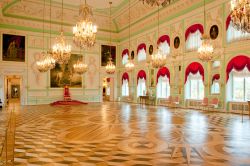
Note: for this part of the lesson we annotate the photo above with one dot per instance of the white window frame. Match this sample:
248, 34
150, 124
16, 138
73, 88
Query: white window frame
164, 48
235, 35
194, 41
125, 88
244, 74
125, 59
142, 55
188, 87
163, 92
141, 89
215, 87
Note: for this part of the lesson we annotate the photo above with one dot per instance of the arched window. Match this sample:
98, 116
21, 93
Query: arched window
215, 88
125, 86
163, 80
232, 33
141, 52
238, 79
194, 77
125, 54
141, 83
164, 44
193, 37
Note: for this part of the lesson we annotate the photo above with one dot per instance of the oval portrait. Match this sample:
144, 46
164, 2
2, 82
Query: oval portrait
151, 49
176, 42
214, 32
132, 54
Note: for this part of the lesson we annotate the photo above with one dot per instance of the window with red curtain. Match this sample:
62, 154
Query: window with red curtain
125, 84
164, 44
215, 87
125, 54
238, 78
141, 52
163, 83
194, 77
141, 83
193, 37
233, 34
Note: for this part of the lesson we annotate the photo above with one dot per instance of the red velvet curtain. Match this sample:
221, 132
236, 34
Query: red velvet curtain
228, 21
215, 77
141, 74
125, 76
194, 68
108, 79
124, 52
238, 63
193, 29
141, 46
163, 72
163, 39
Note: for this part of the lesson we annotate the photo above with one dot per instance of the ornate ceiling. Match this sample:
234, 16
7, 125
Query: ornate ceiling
30, 12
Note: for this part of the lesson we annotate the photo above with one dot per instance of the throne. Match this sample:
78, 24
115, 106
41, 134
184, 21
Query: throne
66, 94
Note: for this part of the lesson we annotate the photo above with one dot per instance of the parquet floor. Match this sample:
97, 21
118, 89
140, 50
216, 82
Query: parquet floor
119, 134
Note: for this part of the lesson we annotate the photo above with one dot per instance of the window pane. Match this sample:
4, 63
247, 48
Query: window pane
247, 88
238, 88
194, 89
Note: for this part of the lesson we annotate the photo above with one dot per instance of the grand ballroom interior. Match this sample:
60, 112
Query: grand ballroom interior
125, 82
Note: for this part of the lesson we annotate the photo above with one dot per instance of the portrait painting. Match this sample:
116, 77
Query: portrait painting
105, 54
15, 91
64, 74
132, 54
13, 47
214, 32
176, 42
151, 49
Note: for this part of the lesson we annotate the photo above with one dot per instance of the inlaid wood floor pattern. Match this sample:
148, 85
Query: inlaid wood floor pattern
121, 134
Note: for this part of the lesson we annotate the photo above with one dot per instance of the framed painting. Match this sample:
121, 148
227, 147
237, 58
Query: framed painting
13, 47
15, 91
105, 51
64, 74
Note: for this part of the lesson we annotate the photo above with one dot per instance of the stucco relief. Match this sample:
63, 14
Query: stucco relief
92, 76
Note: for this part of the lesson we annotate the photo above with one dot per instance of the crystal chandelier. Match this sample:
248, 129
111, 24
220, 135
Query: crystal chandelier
61, 51
130, 64
80, 67
158, 59
240, 15
206, 49
45, 63
85, 31
110, 68
156, 2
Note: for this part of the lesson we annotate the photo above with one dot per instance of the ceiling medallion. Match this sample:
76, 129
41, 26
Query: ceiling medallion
85, 30
156, 2
240, 15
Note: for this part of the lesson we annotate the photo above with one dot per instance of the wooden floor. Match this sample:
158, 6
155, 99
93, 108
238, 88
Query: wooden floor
127, 134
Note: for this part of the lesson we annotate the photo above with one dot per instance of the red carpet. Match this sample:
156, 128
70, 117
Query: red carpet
72, 102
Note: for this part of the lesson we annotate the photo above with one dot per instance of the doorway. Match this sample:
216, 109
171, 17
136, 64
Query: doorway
12, 89
107, 89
